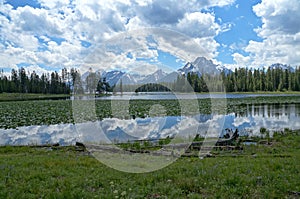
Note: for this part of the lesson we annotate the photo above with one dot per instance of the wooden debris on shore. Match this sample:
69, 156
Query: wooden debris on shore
80, 147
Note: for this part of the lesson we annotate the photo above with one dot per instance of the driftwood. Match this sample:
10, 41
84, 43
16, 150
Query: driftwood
230, 140
43, 145
80, 146
169, 149
113, 149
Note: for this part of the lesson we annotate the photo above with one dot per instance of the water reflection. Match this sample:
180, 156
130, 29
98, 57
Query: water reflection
172, 96
249, 121
270, 110
274, 117
35, 135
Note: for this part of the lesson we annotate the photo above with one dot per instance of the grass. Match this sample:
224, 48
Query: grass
263, 171
30, 96
267, 92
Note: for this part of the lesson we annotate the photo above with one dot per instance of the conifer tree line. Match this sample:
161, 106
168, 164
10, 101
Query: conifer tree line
22, 81
239, 80
247, 80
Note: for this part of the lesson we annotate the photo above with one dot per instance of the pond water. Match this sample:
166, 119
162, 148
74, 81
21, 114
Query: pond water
274, 117
174, 96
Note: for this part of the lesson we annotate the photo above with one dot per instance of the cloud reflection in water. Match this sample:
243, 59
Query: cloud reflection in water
273, 117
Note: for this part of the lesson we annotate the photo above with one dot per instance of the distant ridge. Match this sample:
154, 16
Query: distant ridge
199, 66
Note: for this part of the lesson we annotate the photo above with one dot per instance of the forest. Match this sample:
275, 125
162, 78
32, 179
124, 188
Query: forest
239, 80
272, 79
21, 81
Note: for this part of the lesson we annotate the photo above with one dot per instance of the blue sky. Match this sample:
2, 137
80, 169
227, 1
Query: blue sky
47, 35
243, 21
21, 3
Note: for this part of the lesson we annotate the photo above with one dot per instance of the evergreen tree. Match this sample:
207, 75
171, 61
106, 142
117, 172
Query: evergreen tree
91, 81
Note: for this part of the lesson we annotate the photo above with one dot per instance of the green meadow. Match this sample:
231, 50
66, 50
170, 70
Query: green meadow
262, 171
270, 169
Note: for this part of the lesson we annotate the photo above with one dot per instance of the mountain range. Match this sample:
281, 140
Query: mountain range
200, 66
282, 66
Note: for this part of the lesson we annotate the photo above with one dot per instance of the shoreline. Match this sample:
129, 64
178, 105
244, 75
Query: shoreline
39, 96
4, 97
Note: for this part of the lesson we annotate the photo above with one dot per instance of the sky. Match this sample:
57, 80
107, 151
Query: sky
144, 35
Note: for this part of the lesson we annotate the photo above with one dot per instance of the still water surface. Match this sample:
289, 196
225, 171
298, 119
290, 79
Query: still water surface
174, 96
249, 121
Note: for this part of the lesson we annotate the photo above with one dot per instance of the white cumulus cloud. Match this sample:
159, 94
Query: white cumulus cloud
52, 34
280, 32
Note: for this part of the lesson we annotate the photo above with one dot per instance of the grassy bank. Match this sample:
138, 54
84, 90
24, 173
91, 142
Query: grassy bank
263, 171
268, 92
30, 96
33, 96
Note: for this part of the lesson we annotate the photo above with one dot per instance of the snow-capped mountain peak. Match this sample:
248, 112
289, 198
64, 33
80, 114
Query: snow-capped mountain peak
154, 77
281, 66
203, 61
199, 66
112, 77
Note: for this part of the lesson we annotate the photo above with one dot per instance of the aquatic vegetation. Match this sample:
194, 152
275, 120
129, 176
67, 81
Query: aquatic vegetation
45, 112
26, 113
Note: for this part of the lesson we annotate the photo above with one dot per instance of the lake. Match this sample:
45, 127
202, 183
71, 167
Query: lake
174, 96
249, 121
